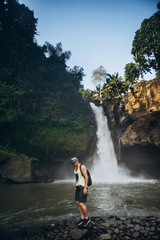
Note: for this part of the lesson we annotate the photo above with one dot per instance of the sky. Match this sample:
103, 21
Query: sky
97, 32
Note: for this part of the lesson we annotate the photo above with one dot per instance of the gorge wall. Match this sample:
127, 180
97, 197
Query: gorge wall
134, 122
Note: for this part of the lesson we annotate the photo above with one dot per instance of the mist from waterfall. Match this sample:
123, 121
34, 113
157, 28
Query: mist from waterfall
105, 168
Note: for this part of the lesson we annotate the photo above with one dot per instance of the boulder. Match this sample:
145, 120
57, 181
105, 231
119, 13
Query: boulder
15, 167
78, 233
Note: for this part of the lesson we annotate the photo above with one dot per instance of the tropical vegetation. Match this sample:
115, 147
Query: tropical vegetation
42, 112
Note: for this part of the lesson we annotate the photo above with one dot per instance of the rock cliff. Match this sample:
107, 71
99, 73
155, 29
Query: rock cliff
134, 122
15, 167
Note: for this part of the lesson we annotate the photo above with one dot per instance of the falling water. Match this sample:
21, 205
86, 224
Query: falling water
105, 168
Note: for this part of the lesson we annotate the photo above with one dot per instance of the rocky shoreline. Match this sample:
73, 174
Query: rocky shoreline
100, 228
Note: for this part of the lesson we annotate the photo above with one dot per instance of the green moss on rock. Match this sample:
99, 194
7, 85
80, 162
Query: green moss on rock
15, 167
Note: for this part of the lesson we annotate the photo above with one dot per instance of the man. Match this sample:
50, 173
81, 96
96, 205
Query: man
81, 191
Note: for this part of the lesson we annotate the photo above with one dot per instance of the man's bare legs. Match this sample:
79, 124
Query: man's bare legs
83, 210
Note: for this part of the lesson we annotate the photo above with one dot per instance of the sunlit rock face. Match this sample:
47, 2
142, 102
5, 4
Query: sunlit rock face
134, 122
143, 99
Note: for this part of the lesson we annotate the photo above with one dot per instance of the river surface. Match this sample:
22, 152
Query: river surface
31, 205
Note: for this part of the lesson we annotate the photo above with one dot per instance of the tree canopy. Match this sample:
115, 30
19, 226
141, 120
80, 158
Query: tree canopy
114, 86
146, 43
42, 112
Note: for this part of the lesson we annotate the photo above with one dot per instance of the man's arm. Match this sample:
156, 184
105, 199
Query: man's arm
84, 171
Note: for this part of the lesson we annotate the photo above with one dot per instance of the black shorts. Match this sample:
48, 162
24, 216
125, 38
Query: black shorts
79, 196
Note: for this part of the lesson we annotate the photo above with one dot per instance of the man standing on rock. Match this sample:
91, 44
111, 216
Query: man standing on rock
81, 191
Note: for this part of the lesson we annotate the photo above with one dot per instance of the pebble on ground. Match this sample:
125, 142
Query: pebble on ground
100, 228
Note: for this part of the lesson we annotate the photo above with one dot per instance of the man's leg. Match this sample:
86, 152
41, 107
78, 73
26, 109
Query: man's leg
86, 219
82, 198
83, 209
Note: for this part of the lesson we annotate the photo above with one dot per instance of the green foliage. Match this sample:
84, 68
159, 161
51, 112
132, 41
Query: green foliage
145, 49
114, 87
141, 64
66, 137
86, 93
146, 44
9, 154
41, 108
131, 73
6, 155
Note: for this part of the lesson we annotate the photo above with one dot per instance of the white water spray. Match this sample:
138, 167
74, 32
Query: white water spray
105, 168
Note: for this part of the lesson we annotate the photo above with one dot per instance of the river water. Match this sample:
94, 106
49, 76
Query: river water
114, 192
34, 205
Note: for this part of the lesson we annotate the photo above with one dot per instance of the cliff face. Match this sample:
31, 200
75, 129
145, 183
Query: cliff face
134, 122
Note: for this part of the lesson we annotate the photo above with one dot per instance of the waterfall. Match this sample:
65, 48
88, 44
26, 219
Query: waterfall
105, 167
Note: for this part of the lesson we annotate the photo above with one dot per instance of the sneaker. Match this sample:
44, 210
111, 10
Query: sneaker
80, 222
86, 222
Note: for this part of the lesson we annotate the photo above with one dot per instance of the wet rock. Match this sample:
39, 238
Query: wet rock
106, 224
130, 225
122, 226
78, 233
136, 220
110, 231
137, 227
135, 234
105, 236
57, 237
116, 231
123, 218
15, 169
101, 229
126, 237
128, 221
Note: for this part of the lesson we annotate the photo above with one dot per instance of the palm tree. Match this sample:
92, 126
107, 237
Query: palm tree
141, 64
131, 73
114, 82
